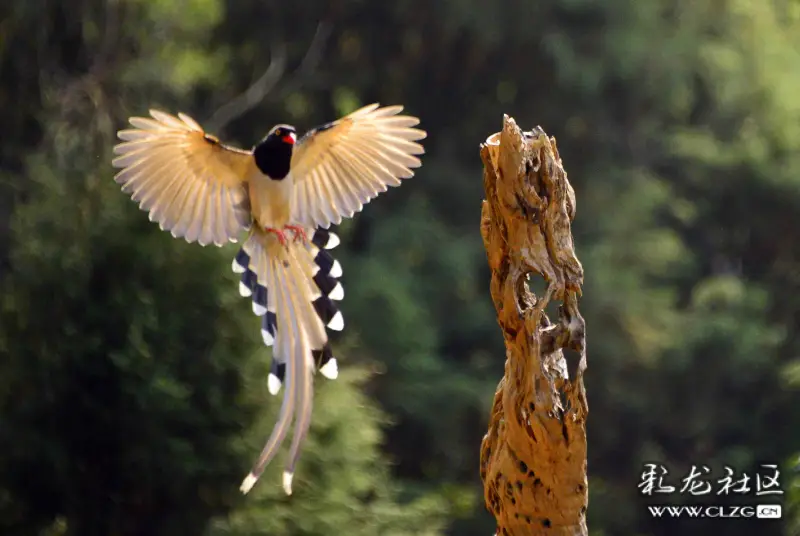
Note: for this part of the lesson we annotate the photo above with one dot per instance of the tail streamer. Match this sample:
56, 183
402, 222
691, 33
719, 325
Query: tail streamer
293, 290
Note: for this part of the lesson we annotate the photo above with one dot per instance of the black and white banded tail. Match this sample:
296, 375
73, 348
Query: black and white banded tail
326, 276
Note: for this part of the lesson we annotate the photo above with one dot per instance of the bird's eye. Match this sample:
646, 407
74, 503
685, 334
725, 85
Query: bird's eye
278, 132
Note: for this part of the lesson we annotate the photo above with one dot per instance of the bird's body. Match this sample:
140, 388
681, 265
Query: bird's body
271, 183
286, 193
271, 200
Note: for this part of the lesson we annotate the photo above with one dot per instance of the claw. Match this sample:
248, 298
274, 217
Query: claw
280, 234
299, 232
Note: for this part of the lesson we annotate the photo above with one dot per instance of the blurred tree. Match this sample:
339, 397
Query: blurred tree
129, 368
679, 115
343, 483
634, 89
119, 406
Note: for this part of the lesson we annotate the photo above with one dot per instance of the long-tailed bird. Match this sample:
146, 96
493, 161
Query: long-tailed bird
282, 191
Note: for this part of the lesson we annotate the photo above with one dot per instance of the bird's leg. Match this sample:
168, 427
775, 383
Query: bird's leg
298, 231
277, 232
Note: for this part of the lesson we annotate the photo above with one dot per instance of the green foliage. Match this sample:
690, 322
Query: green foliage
342, 480
111, 401
677, 122
131, 372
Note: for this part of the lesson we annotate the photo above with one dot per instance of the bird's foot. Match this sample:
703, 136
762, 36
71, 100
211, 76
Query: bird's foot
299, 232
278, 233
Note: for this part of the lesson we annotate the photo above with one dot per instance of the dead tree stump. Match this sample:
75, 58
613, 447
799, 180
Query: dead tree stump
533, 457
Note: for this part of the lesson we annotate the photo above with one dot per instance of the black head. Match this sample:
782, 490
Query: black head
273, 154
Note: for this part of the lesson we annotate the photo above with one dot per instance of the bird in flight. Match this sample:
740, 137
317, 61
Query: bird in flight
285, 192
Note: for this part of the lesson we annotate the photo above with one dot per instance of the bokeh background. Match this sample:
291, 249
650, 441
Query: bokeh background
132, 377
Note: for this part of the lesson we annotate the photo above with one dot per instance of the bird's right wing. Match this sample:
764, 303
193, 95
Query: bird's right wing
189, 182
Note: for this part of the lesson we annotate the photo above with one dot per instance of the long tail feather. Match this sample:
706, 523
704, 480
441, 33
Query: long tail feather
295, 286
303, 385
285, 346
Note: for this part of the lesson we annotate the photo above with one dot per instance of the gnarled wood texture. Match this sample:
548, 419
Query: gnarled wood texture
533, 457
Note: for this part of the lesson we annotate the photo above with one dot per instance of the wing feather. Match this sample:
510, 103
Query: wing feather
190, 184
339, 167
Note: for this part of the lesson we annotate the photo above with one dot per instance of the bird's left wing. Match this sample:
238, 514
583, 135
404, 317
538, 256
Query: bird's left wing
339, 167
189, 182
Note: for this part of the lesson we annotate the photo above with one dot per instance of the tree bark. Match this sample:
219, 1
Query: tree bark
533, 457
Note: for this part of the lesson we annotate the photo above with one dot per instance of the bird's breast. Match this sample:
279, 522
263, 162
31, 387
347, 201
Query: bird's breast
270, 200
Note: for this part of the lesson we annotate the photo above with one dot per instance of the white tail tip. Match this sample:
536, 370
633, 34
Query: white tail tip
267, 336
337, 322
244, 290
248, 483
238, 268
273, 384
336, 269
333, 241
337, 293
330, 369
287, 482
259, 309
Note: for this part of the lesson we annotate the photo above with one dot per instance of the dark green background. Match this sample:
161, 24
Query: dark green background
132, 378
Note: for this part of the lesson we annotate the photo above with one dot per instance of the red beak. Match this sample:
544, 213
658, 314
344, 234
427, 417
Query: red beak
288, 139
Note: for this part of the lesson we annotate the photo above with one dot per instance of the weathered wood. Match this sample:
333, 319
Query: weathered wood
533, 457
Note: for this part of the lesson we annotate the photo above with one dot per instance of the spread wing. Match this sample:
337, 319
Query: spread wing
189, 182
339, 167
